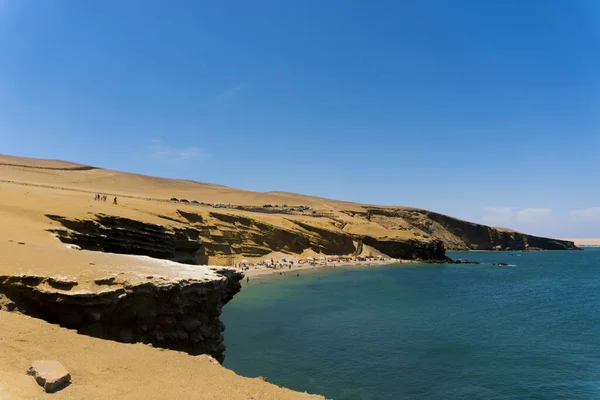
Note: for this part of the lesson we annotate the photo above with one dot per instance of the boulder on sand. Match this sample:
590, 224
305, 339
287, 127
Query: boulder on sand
49, 374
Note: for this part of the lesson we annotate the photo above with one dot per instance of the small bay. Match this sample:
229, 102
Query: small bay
526, 331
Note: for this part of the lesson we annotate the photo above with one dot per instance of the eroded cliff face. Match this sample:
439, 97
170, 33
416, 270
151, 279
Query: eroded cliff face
178, 314
121, 235
217, 237
462, 235
221, 238
411, 249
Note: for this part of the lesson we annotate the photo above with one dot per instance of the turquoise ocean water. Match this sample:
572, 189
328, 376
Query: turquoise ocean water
427, 332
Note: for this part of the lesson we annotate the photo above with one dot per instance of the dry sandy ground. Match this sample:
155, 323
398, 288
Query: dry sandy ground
64, 175
102, 369
585, 241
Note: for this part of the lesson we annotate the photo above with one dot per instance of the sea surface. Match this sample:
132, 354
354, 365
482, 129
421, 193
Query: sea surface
529, 331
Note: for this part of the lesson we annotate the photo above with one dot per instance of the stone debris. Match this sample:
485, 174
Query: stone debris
49, 374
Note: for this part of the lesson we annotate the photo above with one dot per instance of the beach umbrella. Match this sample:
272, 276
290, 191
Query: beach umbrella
283, 259
244, 261
310, 258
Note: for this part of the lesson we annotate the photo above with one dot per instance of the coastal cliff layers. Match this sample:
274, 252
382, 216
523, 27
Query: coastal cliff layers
179, 314
463, 235
220, 238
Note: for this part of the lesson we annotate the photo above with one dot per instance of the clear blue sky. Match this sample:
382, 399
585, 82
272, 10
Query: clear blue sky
485, 110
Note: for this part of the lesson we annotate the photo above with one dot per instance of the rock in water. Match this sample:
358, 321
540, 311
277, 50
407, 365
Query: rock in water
49, 374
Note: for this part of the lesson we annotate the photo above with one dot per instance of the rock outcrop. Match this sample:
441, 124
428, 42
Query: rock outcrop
412, 249
178, 314
49, 374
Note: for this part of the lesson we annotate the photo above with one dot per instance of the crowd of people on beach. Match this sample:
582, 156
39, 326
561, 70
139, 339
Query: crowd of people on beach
284, 267
103, 197
245, 265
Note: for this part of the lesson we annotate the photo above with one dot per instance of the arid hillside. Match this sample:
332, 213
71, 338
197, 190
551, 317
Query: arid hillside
146, 265
59, 196
138, 299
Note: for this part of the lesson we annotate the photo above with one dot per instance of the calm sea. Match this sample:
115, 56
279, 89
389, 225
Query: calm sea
531, 331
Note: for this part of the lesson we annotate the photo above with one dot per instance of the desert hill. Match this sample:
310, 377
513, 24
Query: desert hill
244, 227
150, 269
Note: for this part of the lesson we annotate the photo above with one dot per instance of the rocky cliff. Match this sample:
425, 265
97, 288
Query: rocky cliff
221, 238
178, 314
462, 235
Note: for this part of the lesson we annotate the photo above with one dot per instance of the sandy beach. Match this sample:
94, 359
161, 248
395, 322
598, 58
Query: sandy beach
255, 271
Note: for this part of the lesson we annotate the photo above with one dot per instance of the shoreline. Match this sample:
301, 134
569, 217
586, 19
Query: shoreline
262, 271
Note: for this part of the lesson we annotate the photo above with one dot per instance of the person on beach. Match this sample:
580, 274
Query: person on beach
247, 280
115, 201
